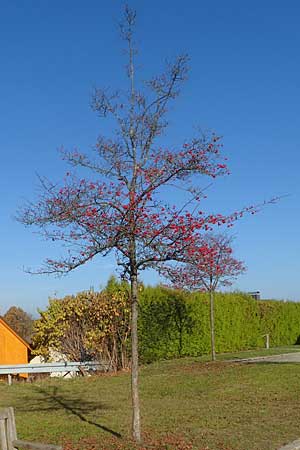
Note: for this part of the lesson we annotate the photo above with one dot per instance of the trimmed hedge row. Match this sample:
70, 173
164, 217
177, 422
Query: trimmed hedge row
174, 323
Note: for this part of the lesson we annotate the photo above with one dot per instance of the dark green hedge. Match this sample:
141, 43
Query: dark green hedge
174, 324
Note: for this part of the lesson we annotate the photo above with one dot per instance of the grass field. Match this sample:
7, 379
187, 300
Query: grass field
186, 404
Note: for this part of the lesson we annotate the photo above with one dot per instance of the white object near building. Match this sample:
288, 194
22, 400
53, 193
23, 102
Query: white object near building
55, 356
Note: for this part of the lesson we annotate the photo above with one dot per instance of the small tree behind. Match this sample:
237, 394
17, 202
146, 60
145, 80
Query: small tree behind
20, 321
208, 265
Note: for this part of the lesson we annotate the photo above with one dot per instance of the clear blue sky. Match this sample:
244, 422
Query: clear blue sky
244, 83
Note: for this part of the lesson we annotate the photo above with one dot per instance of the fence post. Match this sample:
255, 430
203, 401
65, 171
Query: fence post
267, 341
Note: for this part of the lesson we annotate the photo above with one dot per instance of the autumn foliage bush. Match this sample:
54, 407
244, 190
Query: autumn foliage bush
86, 326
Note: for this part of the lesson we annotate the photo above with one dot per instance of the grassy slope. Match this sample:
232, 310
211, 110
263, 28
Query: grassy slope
213, 405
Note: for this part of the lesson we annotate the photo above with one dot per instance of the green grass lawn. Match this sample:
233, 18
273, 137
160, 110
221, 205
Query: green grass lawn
186, 404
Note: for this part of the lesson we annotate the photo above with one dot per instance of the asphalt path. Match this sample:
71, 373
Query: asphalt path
284, 358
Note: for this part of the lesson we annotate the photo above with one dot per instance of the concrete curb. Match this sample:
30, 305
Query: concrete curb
292, 446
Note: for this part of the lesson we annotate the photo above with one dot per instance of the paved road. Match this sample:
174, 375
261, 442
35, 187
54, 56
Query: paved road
285, 358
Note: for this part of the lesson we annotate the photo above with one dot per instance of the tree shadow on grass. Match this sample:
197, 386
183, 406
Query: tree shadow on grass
53, 400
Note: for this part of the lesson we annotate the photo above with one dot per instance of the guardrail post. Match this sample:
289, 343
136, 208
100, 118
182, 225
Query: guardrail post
9, 379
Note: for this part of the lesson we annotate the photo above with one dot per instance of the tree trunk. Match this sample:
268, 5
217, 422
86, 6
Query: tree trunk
136, 422
212, 326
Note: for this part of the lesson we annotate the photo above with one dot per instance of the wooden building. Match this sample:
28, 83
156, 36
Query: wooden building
13, 349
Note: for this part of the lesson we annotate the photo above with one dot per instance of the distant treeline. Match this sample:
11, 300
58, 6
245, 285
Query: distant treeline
174, 323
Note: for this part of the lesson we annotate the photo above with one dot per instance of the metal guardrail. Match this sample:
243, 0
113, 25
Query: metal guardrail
54, 367
39, 368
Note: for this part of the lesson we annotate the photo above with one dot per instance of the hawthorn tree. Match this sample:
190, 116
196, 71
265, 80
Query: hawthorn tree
208, 263
124, 207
